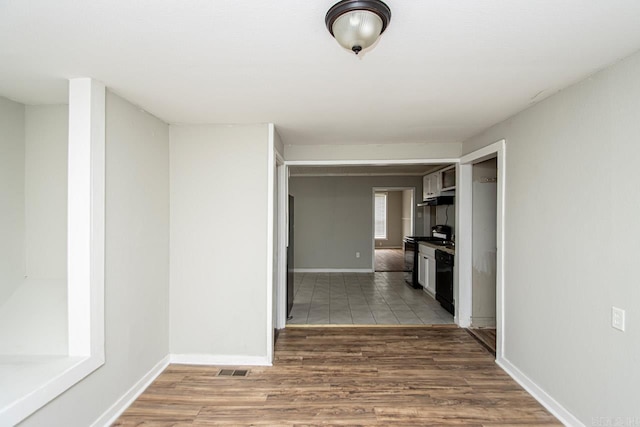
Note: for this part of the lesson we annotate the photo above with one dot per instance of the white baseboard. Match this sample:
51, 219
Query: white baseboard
388, 247
564, 416
112, 414
215, 359
332, 270
483, 322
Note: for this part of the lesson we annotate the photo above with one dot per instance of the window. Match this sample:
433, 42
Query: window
381, 215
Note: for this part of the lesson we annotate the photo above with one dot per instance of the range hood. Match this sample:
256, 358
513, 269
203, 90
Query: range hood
437, 201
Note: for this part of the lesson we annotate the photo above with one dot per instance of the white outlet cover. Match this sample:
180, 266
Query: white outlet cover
618, 318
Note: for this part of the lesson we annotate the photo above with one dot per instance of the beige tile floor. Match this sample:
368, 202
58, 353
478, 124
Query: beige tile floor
362, 299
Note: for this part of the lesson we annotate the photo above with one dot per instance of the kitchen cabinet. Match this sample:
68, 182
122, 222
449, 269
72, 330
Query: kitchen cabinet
427, 268
440, 183
430, 186
448, 178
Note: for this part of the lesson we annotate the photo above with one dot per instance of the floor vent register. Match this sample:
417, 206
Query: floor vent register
233, 373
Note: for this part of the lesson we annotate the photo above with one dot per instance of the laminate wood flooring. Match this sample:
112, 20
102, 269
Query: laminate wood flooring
369, 376
486, 336
389, 260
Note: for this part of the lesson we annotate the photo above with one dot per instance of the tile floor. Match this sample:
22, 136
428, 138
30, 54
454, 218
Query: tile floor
362, 299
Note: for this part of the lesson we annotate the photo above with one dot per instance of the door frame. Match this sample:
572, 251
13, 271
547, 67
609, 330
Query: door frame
464, 248
283, 189
375, 190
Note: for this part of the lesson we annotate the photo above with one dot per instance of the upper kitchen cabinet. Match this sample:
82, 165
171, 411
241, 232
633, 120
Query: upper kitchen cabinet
430, 186
440, 183
448, 178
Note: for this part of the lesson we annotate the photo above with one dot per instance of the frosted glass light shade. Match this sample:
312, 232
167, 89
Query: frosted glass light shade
357, 30
357, 24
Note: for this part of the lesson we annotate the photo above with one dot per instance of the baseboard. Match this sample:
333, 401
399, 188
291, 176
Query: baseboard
388, 247
333, 270
112, 414
483, 322
215, 359
564, 416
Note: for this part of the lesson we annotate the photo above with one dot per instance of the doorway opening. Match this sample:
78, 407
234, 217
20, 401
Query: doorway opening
483, 296
393, 213
481, 255
334, 245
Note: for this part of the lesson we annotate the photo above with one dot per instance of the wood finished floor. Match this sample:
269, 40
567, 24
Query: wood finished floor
389, 260
406, 376
487, 336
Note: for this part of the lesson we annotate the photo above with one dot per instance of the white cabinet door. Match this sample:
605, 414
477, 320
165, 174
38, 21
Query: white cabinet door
430, 186
431, 275
425, 187
423, 270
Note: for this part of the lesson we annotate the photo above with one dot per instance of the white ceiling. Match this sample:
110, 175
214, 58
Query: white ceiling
443, 71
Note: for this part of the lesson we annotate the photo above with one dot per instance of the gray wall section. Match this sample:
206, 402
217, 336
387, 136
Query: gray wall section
394, 221
334, 219
12, 221
46, 152
572, 239
137, 266
218, 270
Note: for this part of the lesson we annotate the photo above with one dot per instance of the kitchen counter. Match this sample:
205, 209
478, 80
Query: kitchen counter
439, 247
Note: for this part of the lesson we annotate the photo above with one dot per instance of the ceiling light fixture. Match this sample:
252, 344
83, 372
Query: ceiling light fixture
357, 24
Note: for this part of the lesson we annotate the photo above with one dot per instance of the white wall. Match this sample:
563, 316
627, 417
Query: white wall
46, 142
12, 250
34, 318
395, 151
572, 239
334, 219
484, 199
137, 260
219, 240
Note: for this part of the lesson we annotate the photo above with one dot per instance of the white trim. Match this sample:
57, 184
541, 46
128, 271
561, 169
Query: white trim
333, 270
302, 175
86, 205
370, 162
217, 359
59, 382
464, 247
544, 398
112, 414
271, 169
281, 303
464, 251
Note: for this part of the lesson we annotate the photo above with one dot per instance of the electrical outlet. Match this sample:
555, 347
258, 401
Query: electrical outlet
357, 254
617, 318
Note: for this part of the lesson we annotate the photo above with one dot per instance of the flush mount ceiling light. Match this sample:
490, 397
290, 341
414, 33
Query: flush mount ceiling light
357, 24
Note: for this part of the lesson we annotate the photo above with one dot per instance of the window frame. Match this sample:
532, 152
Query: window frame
383, 195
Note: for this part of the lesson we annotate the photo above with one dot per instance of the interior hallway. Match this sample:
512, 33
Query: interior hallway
362, 299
